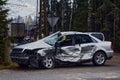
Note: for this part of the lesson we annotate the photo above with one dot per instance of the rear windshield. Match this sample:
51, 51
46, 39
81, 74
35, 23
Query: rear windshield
99, 36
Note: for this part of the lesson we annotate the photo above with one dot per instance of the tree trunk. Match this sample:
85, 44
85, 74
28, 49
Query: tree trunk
6, 54
89, 15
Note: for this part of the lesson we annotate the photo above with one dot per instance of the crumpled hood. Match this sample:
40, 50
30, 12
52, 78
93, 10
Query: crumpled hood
34, 45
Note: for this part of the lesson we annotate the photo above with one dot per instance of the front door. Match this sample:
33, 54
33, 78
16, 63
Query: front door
68, 49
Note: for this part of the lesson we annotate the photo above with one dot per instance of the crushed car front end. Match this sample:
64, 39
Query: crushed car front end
19, 56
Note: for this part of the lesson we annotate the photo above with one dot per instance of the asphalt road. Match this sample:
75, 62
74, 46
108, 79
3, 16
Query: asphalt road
111, 71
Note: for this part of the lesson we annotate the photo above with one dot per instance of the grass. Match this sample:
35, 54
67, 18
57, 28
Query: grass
8, 66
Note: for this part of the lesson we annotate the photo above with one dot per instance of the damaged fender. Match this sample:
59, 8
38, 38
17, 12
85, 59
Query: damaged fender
41, 52
48, 51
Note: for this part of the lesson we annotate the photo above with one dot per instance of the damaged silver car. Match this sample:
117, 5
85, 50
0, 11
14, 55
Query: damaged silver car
73, 47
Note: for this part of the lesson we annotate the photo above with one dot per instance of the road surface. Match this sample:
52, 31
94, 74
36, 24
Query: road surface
111, 71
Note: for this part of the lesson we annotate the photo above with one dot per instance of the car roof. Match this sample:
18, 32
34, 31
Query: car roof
93, 32
71, 32
75, 32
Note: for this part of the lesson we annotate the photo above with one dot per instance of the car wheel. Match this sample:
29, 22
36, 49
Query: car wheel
99, 58
34, 61
48, 62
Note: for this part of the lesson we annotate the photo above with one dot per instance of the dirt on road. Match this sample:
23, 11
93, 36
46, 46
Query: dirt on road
115, 60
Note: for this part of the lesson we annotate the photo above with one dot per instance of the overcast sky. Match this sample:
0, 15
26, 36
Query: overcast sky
22, 7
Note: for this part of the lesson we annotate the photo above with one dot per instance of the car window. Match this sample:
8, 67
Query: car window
86, 39
67, 41
77, 39
51, 40
81, 38
99, 36
94, 40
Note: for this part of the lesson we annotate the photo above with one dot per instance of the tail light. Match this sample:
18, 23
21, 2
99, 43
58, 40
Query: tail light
111, 46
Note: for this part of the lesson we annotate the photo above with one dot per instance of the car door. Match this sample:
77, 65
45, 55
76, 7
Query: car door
87, 46
68, 50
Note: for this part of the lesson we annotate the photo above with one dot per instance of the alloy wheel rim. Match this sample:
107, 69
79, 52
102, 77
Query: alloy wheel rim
48, 62
100, 58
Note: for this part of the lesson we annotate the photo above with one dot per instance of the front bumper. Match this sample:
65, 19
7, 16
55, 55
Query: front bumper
21, 56
20, 60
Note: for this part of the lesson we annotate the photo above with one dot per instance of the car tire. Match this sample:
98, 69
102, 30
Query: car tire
99, 58
48, 62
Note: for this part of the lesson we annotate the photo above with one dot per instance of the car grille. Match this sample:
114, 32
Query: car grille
18, 55
17, 50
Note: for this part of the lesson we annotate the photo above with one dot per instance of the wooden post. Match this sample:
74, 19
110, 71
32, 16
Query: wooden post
40, 20
45, 19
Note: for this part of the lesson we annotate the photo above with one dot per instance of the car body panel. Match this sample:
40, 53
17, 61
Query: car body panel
69, 53
34, 45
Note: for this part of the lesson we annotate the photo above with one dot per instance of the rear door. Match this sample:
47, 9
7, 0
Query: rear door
87, 45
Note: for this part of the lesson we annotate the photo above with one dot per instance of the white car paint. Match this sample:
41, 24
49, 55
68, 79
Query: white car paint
72, 53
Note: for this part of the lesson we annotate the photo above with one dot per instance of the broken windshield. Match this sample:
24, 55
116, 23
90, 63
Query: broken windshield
51, 40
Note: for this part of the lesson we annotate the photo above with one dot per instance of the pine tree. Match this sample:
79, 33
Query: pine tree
99, 16
107, 19
80, 17
3, 32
